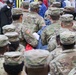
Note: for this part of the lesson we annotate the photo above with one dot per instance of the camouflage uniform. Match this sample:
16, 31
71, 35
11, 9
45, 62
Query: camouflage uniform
64, 18
49, 31
32, 23
3, 42
13, 36
73, 71
25, 10
62, 64
18, 25
35, 21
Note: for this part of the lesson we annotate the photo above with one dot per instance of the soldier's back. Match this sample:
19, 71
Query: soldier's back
64, 62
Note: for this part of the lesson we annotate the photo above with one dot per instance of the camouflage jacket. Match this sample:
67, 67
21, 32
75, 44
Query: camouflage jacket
49, 31
73, 71
62, 64
28, 36
35, 22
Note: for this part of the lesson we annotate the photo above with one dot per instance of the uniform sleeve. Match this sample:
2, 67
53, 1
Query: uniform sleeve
28, 36
43, 37
54, 68
41, 22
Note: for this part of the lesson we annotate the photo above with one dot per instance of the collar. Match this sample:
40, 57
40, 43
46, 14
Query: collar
8, 7
68, 51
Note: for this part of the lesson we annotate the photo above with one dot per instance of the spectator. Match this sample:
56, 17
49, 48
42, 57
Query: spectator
42, 9
6, 15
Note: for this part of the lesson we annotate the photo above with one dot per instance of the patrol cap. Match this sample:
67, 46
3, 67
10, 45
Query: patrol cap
13, 36
54, 11
34, 5
36, 58
4, 40
17, 11
67, 37
69, 7
56, 4
66, 18
8, 28
61, 10
13, 58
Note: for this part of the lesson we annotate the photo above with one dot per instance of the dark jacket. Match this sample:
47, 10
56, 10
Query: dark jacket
5, 16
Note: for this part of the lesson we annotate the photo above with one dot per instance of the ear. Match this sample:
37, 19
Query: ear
62, 25
72, 23
21, 16
26, 70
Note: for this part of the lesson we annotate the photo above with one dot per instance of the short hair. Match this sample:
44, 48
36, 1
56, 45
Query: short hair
55, 17
2, 48
13, 69
16, 17
14, 45
70, 46
67, 23
37, 71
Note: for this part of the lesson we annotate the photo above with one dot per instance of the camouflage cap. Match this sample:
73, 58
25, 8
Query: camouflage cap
36, 58
66, 18
34, 5
56, 4
69, 7
4, 40
8, 28
54, 11
67, 37
25, 4
17, 11
13, 58
13, 36
61, 10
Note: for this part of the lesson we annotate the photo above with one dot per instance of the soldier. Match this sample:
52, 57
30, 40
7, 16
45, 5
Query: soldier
37, 62
15, 44
17, 22
25, 8
62, 64
4, 47
53, 28
8, 28
66, 21
32, 24
66, 24
13, 63
33, 17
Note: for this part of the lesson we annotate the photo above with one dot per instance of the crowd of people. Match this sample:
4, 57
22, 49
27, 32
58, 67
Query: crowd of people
38, 40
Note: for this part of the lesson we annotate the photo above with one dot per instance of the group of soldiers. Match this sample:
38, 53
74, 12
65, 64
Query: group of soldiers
53, 45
